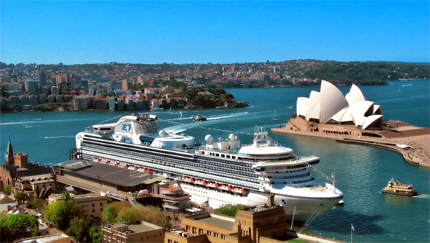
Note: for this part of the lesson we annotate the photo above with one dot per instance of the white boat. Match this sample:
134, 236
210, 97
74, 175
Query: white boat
260, 168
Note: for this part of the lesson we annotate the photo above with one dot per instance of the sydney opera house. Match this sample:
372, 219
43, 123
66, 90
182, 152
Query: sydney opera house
329, 112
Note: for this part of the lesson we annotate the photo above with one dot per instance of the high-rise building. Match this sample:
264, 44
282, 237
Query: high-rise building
55, 90
42, 77
61, 79
31, 85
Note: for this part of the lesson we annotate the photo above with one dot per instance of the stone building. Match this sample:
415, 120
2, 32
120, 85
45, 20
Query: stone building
33, 179
92, 203
132, 232
257, 224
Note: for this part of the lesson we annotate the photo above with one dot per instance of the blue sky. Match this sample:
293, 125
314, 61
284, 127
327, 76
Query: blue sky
78, 32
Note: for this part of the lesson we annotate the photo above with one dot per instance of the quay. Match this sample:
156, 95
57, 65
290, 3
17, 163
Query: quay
410, 141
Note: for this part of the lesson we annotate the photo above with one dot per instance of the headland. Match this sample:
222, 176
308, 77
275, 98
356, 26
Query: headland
412, 142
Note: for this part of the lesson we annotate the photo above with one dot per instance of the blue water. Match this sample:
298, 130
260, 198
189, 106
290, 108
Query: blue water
361, 171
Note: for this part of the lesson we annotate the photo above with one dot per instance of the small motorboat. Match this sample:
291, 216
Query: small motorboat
200, 118
340, 203
396, 188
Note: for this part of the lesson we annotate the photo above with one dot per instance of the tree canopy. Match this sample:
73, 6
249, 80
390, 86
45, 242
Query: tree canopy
229, 210
62, 212
17, 226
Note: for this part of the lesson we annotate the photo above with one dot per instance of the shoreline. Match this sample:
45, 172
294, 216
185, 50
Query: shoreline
416, 152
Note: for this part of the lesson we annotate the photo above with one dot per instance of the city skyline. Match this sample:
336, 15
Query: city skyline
79, 32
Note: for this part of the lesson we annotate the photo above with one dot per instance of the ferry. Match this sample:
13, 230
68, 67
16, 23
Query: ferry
216, 172
396, 188
200, 118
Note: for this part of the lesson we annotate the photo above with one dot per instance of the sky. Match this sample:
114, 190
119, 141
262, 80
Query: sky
153, 32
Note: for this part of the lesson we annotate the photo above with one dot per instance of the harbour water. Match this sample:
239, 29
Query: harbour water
361, 171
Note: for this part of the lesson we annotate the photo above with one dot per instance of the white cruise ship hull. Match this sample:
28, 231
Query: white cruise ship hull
243, 174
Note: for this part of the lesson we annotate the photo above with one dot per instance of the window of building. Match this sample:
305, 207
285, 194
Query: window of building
216, 234
93, 204
169, 241
101, 204
200, 232
194, 230
223, 237
94, 210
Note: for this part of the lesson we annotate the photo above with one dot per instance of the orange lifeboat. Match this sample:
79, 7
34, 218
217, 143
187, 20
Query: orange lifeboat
95, 159
202, 182
226, 187
213, 184
149, 171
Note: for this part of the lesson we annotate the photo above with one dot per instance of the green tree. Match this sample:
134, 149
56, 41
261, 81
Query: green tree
17, 226
61, 212
7, 189
128, 214
21, 197
79, 228
38, 204
229, 210
95, 234
109, 214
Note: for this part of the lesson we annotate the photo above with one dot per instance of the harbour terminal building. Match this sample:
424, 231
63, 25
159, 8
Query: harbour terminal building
322, 113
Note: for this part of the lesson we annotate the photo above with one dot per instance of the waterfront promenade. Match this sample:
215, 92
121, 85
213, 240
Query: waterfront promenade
412, 142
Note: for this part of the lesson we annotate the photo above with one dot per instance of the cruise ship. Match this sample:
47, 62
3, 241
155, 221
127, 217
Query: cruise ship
216, 172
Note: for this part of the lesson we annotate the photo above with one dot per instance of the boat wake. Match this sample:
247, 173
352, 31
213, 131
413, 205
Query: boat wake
427, 196
228, 116
44, 121
58, 137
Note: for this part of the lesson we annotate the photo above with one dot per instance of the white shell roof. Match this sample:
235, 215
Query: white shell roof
317, 112
330, 104
313, 103
302, 106
372, 120
339, 115
332, 101
355, 95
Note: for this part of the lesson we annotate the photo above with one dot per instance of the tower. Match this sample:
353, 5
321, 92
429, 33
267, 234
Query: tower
9, 158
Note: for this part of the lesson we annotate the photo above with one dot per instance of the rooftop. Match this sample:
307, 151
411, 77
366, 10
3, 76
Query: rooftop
217, 220
109, 173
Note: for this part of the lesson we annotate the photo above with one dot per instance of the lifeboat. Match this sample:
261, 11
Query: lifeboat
104, 161
132, 167
123, 165
140, 169
239, 190
96, 159
189, 179
213, 184
225, 187
112, 162
149, 171
201, 182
